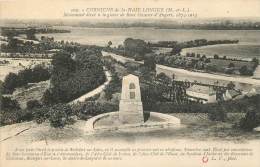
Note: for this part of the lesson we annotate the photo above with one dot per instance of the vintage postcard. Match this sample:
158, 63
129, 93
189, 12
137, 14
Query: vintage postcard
171, 83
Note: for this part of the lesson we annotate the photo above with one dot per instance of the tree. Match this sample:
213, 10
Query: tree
33, 104
250, 121
31, 34
245, 71
12, 43
10, 83
150, 95
207, 60
72, 78
176, 49
109, 44
216, 56
162, 77
135, 47
231, 65
6, 103
255, 61
25, 76
39, 73
230, 85
63, 67
149, 62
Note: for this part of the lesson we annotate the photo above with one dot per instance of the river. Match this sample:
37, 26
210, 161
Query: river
248, 47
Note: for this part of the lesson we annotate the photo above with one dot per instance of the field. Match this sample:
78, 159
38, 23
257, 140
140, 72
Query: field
17, 64
239, 51
224, 63
158, 50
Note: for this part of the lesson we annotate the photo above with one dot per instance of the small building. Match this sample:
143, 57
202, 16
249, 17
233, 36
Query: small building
53, 51
231, 94
205, 94
253, 91
26, 40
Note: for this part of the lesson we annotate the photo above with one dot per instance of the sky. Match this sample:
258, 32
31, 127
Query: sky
54, 9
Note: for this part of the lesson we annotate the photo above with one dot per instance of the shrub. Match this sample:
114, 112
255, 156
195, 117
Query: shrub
33, 104
216, 56
59, 115
216, 114
11, 113
244, 70
48, 98
14, 116
40, 114
239, 105
6, 103
10, 83
9, 117
91, 108
250, 121
113, 87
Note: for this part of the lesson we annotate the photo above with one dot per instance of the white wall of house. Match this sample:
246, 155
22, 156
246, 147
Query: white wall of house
197, 94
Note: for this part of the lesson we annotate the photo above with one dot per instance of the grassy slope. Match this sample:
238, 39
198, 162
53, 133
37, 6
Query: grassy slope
27, 93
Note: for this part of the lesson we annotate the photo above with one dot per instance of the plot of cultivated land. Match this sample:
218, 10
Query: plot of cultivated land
32, 92
238, 51
196, 127
221, 63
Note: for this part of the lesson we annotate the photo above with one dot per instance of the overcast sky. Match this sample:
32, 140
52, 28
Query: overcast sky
54, 9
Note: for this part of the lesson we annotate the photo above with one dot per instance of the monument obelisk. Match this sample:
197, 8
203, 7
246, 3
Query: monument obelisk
131, 107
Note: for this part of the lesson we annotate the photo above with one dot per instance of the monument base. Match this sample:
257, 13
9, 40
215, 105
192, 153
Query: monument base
131, 112
130, 117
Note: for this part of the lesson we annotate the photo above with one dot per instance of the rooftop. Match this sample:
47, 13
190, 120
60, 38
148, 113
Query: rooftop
233, 93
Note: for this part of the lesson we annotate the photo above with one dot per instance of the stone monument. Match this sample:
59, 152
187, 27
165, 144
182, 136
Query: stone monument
131, 107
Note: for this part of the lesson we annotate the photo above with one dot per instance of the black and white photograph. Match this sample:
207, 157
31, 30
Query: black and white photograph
130, 83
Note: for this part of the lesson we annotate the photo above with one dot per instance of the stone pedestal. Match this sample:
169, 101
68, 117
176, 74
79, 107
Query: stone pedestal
131, 107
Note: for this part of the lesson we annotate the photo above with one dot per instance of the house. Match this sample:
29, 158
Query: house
203, 93
26, 40
231, 94
253, 91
